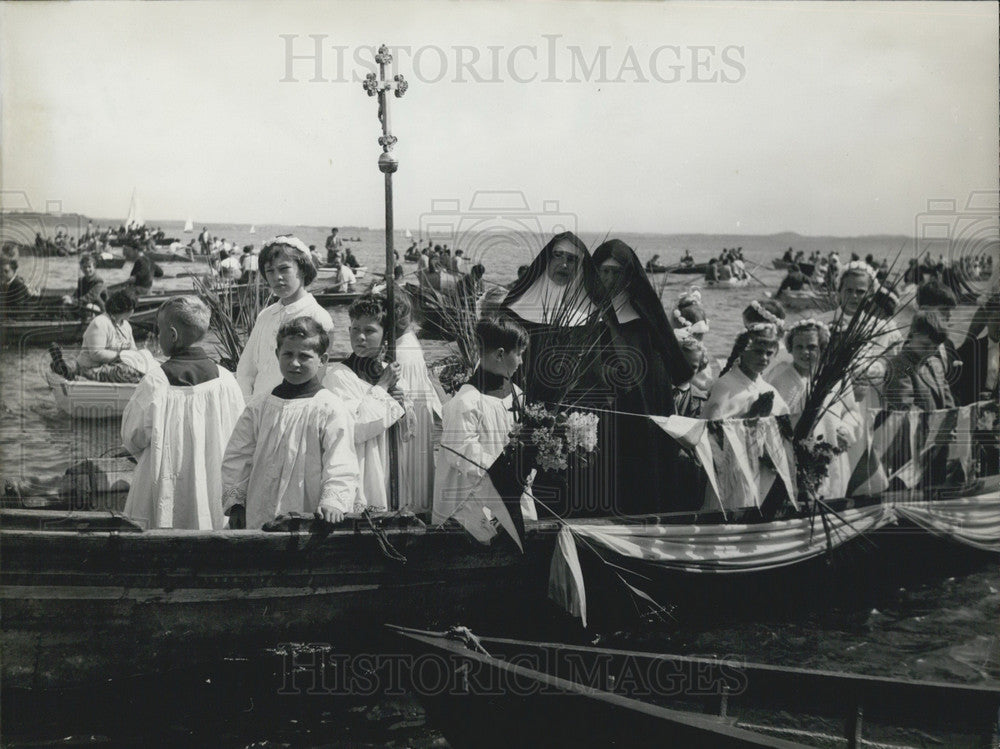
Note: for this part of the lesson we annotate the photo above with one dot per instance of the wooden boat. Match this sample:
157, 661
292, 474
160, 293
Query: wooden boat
325, 274
655, 270
491, 692
86, 399
807, 268
167, 255
807, 299
730, 283
88, 596
28, 333
696, 269
163, 598
107, 261
335, 298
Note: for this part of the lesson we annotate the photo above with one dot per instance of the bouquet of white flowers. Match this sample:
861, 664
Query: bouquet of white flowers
551, 437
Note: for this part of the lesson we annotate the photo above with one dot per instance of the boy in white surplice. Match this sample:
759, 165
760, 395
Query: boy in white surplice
293, 448
177, 424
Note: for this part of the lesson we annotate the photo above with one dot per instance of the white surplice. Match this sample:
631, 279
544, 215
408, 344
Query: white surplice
257, 371
841, 414
416, 455
291, 456
477, 426
733, 394
179, 436
373, 411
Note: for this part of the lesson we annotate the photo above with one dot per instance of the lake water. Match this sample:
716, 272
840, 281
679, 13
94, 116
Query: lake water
944, 627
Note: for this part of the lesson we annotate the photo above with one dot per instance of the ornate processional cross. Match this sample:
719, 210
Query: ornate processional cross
388, 164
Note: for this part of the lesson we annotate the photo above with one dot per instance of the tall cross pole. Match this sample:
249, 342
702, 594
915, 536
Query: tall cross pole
388, 164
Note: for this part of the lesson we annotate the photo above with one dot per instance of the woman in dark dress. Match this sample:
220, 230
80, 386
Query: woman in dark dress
561, 304
647, 363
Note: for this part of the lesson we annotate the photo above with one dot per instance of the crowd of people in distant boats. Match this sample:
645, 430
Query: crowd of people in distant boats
292, 431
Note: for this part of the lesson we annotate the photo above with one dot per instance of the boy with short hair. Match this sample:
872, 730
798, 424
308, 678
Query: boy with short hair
90, 291
477, 422
373, 394
918, 377
292, 450
177, 425
14, 292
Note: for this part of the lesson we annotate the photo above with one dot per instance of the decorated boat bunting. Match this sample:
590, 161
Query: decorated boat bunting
744, 458
755, 547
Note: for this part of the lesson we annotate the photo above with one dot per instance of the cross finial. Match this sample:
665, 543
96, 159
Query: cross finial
378, 86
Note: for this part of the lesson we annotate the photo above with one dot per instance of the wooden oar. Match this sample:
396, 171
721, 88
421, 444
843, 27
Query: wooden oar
753, 276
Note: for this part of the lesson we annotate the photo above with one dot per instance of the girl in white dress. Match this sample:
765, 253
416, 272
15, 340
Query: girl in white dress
740, 386
839, 423
288, 268
477, 422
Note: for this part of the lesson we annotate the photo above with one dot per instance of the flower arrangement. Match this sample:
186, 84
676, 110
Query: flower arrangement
452, 372
812, 466
554, 436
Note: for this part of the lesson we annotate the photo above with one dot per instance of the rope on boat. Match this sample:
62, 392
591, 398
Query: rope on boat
467, 637
383, 540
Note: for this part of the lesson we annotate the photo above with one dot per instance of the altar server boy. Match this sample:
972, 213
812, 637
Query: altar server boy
477, 422
373, 394
293, 448
177, 424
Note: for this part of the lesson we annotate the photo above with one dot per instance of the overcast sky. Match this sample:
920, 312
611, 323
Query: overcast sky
840, 118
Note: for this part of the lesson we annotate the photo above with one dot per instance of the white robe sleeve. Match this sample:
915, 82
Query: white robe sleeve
137, 419
246, 368
461, 433
238, 460
374, 410
341, 474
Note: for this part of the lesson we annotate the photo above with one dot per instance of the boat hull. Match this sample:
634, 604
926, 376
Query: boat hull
82, 607
805, 300
86, 399
33, 333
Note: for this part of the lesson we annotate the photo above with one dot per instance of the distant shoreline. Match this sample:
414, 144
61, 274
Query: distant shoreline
778, 237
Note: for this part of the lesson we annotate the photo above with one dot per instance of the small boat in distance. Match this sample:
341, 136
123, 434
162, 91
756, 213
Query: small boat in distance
134, 219
188, 226
253, 229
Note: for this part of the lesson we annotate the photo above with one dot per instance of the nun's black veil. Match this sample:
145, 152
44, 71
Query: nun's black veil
539, 265
645, 457
647, 305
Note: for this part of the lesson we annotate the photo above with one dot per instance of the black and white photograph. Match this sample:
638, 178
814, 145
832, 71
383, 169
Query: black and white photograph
569, 373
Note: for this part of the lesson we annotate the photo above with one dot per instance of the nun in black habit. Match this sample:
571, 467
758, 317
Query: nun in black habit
647, 363
561, 303
558, 301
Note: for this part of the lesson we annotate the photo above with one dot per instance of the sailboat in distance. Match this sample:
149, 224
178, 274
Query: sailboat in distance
134, 219
188, 226
253, 229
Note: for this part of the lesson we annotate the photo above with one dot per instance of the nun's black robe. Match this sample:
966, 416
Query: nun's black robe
648, 362
565, 365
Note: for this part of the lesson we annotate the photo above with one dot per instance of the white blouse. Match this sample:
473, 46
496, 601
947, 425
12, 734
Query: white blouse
734, 393
257, 371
